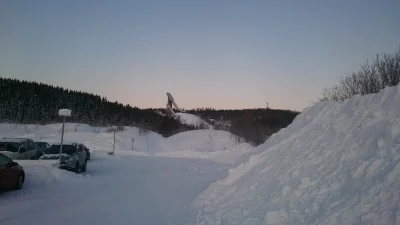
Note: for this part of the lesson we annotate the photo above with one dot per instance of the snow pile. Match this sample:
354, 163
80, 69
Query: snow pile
44, 172
229, 156
201, 141
190, 119
337, 163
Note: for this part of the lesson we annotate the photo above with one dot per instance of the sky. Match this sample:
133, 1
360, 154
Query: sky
210, 53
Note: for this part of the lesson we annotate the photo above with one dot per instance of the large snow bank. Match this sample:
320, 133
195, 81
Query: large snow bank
337, 163
228, 156
200, 140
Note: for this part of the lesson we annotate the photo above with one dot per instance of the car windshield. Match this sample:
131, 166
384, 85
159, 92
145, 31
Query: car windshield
67, 149
40, 144
9, 146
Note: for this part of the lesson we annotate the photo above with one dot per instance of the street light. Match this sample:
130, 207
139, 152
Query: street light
64, 113
114, 128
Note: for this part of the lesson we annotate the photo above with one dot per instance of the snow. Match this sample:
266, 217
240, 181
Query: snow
64, 112
191, 144
200, 140
337, 163
154, 184
191, 119
114, 190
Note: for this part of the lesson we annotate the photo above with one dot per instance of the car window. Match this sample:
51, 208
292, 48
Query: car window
23, 148
30, 145
3, 146
9, 146
3, 160
67, 149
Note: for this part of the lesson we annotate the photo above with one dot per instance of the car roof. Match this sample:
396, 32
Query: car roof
17, 140
66, 143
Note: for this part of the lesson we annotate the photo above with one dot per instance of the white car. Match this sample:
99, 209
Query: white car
73, 156
18, 148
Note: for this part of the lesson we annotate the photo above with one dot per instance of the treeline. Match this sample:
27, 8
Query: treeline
255, 125
37, 103
384, 71
31, 102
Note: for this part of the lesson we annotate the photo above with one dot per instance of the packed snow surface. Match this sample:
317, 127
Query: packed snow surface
114, 190
337, 163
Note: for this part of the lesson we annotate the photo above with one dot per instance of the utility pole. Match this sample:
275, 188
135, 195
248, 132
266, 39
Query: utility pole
64, 113
114, 129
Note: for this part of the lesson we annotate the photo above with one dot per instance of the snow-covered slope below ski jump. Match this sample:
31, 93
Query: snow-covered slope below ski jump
194, 120
337, 163
205, 144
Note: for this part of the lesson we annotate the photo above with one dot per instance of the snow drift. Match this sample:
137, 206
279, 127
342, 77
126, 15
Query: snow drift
337, 163
200, 140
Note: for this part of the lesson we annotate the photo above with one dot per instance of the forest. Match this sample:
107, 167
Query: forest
37, 103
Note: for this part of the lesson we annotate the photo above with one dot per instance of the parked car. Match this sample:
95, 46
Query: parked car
87, 151
73, 156
41, 147
12, 175
19, 148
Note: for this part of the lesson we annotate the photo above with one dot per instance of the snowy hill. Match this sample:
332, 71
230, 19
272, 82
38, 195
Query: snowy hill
190, 144
200, 140
194, 120
337, 163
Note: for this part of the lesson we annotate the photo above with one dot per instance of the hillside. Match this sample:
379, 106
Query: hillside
36, 103
30, 102
337, 163
256, 125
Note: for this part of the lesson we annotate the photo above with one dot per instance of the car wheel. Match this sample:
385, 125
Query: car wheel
83, 169
20, 182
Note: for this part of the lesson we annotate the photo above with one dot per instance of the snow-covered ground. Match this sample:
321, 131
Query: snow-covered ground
114, 190
206, 144
337, 163
155, 183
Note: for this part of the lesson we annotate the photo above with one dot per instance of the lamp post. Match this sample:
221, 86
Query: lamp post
64, 113
114, 129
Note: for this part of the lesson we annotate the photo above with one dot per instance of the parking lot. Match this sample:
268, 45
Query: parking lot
114, 190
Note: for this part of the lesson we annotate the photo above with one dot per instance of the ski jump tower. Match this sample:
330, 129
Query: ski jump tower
171, 102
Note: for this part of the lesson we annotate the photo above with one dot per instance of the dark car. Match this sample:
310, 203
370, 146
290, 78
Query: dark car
12, 175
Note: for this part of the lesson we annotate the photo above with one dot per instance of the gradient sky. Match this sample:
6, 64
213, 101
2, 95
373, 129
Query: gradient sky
208, 53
